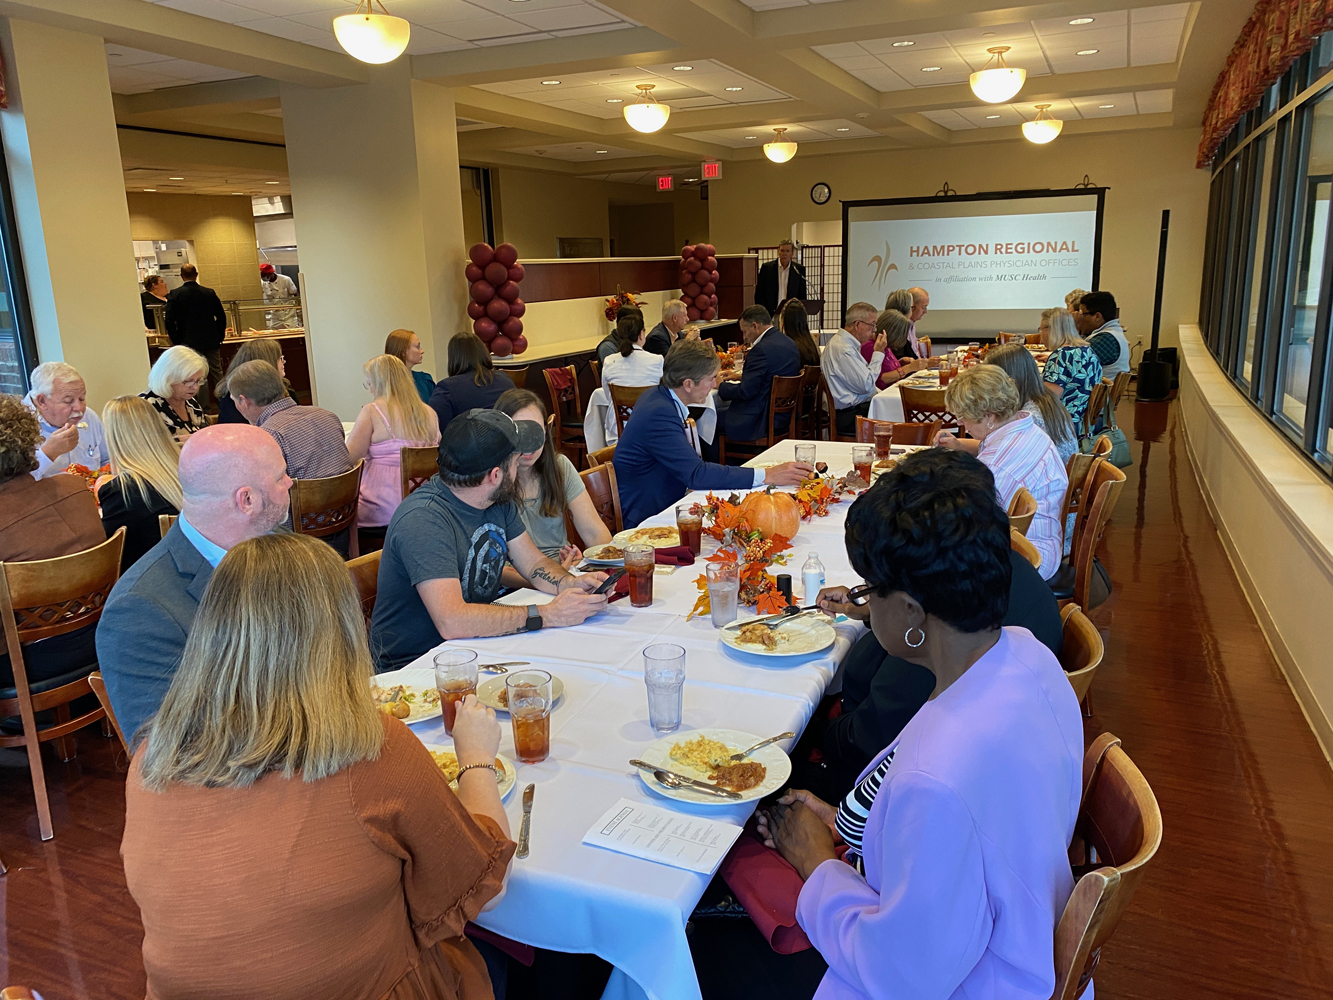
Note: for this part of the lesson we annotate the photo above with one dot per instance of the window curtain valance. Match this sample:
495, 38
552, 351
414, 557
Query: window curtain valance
1277, 33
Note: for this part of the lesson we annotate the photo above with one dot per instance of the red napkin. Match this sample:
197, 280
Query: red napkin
767, 886
524, 953
620, 590
560, 377
678, 555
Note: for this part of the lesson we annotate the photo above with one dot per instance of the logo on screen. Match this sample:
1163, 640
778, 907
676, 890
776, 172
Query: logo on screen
882, 265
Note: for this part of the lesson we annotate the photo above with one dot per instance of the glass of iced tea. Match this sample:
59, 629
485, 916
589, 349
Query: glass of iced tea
863, 457
639, 562
691, 527
455, 679
529, 699
883, 440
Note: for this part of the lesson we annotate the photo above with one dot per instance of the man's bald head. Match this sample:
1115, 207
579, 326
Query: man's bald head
234, 482
920, 303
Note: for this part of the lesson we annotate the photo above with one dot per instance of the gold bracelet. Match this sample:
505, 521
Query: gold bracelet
491, 767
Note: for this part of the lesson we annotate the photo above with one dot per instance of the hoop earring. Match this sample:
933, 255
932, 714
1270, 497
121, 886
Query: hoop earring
907, 637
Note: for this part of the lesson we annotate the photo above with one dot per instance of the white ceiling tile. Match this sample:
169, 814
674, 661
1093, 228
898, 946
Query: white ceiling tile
133, 80
911, 67
879, 46
772, 4
990, 117
435, 11
1100, 20
1155, 42
482, 27
996, 34
882, 79
510, 39
287, 28
513, 7
838, 50
197, 72
423, 41
286, 8
1152, 102
218, 10
590, 29
562, 17
1024, 53
863, 61
123, 55
951, 120
1167, 12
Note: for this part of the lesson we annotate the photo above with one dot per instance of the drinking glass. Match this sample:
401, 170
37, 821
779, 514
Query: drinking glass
664, 675
639, 562
863, 456
724, 583
883, 440
455, 679
806, 453
691, 527
529, 700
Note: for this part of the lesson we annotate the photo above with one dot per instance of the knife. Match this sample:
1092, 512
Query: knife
526, 827
702, 786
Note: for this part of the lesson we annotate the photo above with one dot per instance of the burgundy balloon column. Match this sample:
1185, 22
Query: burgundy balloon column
698, 281
496, 310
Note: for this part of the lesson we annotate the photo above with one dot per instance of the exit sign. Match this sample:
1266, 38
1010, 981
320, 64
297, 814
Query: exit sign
666, 182
710, 170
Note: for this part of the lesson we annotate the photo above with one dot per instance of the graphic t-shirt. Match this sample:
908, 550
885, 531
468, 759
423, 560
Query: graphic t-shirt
435, 536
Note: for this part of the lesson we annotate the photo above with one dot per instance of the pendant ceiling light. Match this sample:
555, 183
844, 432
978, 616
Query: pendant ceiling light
647, 114
1043, 128
371, 37
996, 84
780, 150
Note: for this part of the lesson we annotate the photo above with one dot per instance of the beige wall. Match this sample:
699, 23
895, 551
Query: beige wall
644, 230
757, 202
222, 228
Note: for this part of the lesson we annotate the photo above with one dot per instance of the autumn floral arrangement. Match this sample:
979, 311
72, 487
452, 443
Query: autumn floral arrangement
621, 298
756, 532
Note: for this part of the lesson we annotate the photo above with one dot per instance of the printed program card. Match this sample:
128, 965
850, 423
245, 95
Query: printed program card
643, 831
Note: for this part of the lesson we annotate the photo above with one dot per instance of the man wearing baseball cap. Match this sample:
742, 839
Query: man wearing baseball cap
448, 542
278, 289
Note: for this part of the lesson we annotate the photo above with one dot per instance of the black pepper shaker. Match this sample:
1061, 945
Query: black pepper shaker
784, 586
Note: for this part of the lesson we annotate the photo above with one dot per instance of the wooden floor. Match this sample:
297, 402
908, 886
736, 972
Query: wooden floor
1238, 903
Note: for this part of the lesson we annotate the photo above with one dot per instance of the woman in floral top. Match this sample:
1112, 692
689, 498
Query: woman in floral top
1072, 370
172, 385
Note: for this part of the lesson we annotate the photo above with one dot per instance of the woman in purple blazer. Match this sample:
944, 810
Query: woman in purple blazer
956, 871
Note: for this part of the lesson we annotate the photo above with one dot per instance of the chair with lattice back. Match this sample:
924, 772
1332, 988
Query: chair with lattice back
567, 407
921, 406
600, 482
784, 397
904, 433
623, 400
418, 465
811, 421
327, 506
40, 600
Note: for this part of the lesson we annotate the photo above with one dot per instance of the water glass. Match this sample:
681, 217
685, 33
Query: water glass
528, 695
664, 675
806, 453
723, 585
455, 679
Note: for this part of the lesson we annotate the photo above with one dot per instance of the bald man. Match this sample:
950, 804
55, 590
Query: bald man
234, 482
920, 304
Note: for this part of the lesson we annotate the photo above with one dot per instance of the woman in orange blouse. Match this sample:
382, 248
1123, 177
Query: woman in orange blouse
283, 838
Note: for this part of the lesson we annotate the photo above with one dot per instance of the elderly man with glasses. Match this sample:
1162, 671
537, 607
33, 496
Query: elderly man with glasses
72, 434
850, 377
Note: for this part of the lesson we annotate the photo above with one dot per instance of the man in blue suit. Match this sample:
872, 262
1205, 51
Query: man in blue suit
770, 353
656, 463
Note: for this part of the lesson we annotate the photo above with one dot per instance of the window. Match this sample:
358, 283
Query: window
1263, 171
18, 348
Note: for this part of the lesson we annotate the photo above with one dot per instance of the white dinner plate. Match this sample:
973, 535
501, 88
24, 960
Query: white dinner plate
772, 757
416, 681
488, 692
507, 780
644, 535
798, 638
593, 555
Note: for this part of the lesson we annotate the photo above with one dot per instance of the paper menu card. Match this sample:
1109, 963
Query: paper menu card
695, 843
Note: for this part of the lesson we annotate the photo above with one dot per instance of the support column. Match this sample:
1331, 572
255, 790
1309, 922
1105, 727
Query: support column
379, 223
69, 201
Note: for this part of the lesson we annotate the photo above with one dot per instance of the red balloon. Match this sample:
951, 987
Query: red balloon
511, 328
685, 279
482, 291
508, 291
687, 251
702, 301
691, 290
710, 264
473, 273
517, 308
502, 347
692, 312
496, 273
692, 265
708, 314
506, 254
712, 301
520, 344
712, 252
516, 272
485, 328
717, 278
701, 253
475, 310
481, 254
497, 309
709, 288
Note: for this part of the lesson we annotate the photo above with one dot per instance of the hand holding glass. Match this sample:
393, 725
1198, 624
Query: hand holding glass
455, 679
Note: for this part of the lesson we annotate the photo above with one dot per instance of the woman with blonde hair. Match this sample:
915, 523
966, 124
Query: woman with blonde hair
1073, 369
406, 347
173, 382
255, 349
143, 483
395, 419
267, 768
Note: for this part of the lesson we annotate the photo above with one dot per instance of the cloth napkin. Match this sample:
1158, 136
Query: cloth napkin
524, 953
560, 378
677, 555
766, 884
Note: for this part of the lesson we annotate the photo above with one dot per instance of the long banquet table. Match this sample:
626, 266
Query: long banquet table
570, 897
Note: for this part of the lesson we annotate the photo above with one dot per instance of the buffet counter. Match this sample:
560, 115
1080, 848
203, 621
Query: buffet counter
293, 346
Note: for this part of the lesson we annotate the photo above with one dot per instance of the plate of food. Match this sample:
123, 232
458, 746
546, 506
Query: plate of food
609, 554
705, 755
494, 693
447, 761
660, 538
409, 695
794, 638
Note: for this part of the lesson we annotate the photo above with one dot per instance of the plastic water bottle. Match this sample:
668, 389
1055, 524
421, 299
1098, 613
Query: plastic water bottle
812, 573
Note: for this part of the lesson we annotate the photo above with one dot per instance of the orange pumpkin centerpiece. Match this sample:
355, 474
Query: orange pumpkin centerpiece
771, 513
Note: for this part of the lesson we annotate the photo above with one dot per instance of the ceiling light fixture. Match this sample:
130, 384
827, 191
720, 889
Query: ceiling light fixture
781, 149
732, 90
844, 130
1105, 106
1043, 128
930, 69
603, 150
1087, 52
238, 192
149, 190
647, 114
273, 182
998, 83
1083, 20
989, 117
550, 83
752, 137
615, 100
371, 37
175, 178
902, 45
682, 69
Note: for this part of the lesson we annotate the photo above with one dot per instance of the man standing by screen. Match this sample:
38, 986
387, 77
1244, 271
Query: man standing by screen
779, 280
920, 305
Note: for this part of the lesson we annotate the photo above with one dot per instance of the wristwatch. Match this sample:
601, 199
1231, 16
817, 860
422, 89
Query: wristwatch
534, 621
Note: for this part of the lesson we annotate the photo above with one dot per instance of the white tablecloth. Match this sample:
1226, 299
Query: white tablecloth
887, 404
570, 897
599, 433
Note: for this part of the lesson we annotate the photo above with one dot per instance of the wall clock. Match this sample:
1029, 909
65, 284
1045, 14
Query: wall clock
821, 193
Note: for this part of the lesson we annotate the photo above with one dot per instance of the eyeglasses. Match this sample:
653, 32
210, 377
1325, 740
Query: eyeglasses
860, 596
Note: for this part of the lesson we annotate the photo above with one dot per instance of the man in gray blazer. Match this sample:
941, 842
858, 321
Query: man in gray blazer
234, 481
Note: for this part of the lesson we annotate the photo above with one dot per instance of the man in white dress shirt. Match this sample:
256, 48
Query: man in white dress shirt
850, 378
920, 304
71, 433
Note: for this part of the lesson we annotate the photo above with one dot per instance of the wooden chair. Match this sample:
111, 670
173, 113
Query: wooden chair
1118, 831
784, 397
605, 495
164, 523
1119, 385
519, 375
38, 600
812, 419
567, 405
18, 992
1081, 653
903, 433
1020, 544
1078, 470
324, 507
1022, 509
98, 684
419, 464
923, 343
1096, 401
623, 398
926, 405
1032, 338
826, 394
1074, 580
601, 456
596, 371
365, 572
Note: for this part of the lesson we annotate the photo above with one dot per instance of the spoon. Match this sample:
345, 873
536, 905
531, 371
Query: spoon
762, 743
